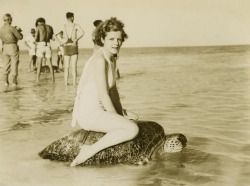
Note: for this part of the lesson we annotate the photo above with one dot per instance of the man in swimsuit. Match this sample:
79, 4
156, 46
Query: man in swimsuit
44, 33
73, 32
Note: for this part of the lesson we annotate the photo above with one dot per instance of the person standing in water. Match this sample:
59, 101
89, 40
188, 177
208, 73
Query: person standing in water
60, 52
44, 33
31, 44
10, 36
97, 105
72, 32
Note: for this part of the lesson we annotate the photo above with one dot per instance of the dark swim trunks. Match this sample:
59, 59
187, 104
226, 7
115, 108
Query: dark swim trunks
70, 50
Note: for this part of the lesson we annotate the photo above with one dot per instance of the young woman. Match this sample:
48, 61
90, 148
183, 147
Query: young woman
97, 105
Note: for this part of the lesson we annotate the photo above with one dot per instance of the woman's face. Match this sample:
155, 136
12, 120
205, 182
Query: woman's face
113, 42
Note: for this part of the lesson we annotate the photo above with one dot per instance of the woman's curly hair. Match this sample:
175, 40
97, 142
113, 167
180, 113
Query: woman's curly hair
109, 25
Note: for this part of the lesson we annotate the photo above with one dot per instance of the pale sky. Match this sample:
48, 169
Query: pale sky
147, 22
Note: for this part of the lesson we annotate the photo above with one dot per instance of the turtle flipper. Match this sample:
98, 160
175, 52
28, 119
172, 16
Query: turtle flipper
143, 161
140, 160
66, 148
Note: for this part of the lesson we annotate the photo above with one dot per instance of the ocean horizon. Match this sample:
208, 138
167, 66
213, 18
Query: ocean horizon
178, 46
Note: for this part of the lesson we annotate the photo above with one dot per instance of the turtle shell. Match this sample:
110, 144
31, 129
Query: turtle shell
150, 136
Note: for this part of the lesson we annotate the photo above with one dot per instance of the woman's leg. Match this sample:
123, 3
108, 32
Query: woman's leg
61, 58
30, 65
39, 66
117, 128
66, 69
73, 61
51, 69
58, 60
34, 62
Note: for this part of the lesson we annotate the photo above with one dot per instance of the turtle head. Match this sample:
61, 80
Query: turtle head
174, 143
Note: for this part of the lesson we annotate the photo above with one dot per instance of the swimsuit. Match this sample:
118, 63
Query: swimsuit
43, 49
69, 48
88, 107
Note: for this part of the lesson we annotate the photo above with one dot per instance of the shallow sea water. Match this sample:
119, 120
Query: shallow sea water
202, 92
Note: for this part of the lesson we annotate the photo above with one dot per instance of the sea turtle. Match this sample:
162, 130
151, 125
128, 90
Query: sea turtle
151, 136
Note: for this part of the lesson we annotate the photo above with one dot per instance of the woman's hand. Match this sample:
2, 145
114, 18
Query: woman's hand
130, 115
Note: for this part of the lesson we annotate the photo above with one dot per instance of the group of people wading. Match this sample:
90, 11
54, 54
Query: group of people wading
40, 47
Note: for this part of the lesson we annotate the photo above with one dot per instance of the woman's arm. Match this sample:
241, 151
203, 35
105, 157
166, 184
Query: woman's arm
102, 84
114, 95
81, 33
26, 44
59, 40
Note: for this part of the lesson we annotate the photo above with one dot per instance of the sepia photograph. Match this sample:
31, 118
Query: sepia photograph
124, 93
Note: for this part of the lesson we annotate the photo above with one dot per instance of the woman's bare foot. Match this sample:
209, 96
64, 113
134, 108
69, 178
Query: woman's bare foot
84, 154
